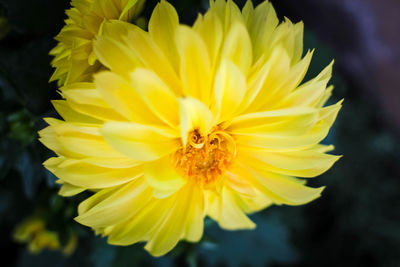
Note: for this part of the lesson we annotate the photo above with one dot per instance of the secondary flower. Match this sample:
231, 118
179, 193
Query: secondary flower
187, 122
74, 59
33, 231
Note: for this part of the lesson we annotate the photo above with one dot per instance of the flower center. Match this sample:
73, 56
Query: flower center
205, 158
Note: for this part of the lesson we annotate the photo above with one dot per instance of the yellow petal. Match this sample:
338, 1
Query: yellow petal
177, 224
230, 88
195, 66
108, 162
140, 142
291, 125
143, 222
291, 81
115, 55
261, 118
226, 211
129, 5
304, 161
146, 51
69, 114
268, 79
261, 23
153, 57
193, 229
76, 141
83, 174
121, 95
68, 190
91, 103
156, 95
237, 47
162, 27
227, 11
210, 29
281, 189
316, 134
161, 175
116, 207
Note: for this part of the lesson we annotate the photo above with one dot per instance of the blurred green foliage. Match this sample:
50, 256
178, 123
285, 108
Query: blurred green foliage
354, 223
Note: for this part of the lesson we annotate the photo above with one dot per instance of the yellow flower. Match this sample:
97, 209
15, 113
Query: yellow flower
210, 120
74, 59
33, 231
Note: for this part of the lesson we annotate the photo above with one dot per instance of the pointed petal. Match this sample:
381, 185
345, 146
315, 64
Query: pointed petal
162, 27
281, 189
69, 114
226, 211
210, 29
118, 207
160, 99
68, 190
177, 223
237, 47
85, 175
195, 66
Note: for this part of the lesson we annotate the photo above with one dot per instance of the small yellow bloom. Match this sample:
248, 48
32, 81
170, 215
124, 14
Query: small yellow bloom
74, 59
33, 232
187, 122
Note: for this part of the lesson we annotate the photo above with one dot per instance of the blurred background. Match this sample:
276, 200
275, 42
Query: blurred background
355, 223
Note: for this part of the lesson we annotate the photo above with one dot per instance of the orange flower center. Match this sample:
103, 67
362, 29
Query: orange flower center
205, 158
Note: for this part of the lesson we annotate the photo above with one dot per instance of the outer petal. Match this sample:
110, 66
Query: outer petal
162, 27
279, 188
310, 138
157, 96
140, 142
265, 78
68, 190
82, 174
237, 47
83, 98
303, 163
261, 23
195, 66
258, 119
68, 114
118, 205
76, 140
145, 50
184, 221
226, 211
115, 55
310, 93
163, 222
121, 95
210, 29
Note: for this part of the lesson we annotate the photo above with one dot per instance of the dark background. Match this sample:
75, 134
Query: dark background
355, 223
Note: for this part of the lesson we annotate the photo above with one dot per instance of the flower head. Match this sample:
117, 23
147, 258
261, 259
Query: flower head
74, 59
187, 122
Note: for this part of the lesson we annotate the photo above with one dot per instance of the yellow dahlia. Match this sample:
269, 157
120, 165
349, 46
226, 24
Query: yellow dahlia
210, 120
74, 59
